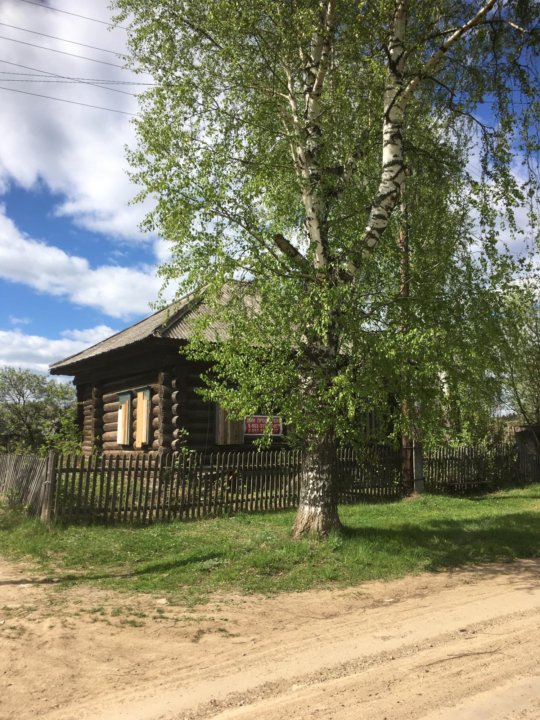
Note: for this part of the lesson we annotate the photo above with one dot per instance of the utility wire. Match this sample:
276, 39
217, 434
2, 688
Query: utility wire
71, 82
64, 77
54, 37
66, 12
67, 78
62, 52
71, 102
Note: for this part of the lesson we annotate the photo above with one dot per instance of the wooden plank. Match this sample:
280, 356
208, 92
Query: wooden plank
134, 485
184, 489
114, 489
107, 471
93, 465
152, 494
160, 489
142, 489
126, 486
171, 487
199, 482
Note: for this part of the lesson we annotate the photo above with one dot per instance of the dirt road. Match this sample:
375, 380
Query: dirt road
433, 647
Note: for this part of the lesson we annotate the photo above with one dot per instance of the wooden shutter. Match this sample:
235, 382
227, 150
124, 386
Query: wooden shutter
123, 430
228, 432
142, 425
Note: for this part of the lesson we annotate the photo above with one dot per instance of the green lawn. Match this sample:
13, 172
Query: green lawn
254, 553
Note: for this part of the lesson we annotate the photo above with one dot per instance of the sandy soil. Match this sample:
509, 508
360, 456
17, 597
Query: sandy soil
433, 647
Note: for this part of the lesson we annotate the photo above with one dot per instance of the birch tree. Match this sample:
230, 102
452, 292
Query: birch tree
273, 145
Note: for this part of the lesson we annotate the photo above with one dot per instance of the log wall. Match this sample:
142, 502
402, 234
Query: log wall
180, 418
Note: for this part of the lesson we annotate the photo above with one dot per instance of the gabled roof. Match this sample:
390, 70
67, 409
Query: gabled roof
171, 322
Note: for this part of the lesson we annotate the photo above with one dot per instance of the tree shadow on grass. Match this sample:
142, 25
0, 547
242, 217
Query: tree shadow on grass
449, 544
157, 567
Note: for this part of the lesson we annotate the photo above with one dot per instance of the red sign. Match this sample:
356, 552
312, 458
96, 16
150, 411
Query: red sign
256, 425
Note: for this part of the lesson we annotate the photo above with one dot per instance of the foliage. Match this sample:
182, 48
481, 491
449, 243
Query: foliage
260, 143
254, 553
37, 414
522, 389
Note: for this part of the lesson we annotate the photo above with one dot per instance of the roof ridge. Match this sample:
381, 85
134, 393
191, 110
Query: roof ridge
183, 304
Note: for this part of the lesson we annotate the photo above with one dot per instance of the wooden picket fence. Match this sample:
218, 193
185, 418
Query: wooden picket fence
21, 481
147, 488
144, 488
465, 470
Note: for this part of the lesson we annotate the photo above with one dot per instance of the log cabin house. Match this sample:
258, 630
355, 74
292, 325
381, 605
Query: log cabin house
137, 393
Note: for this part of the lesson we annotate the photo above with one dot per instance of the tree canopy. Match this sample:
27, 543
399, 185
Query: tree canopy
37, 414
291, 148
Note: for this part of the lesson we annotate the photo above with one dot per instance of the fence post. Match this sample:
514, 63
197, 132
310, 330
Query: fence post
418, 467
47, 489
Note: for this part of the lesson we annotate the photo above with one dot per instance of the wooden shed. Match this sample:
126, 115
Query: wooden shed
137, 393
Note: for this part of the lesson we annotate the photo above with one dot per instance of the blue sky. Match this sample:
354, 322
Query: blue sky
74, 266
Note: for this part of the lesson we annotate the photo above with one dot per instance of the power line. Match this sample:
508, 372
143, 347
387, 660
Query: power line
66, 12
62, 52
71, 82
96, 83
68, 77
71, 102
54, 37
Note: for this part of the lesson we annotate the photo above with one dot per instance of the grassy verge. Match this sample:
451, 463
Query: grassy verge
254, 553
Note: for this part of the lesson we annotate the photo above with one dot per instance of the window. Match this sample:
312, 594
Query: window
123, 431
142, 418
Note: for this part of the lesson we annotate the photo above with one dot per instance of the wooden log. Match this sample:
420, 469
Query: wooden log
110, 436
111, 407
110, 417
176, 396
146, 378
110, 427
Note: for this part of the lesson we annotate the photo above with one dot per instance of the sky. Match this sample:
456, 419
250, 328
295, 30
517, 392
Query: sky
74, 265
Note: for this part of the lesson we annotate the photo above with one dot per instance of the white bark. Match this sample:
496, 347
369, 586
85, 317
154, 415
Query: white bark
395, 101
308, 131
393, 168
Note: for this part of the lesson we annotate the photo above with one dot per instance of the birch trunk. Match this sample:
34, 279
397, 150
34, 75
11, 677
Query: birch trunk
317, 511
393, 165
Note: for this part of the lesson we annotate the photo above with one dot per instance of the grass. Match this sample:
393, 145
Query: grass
254, 553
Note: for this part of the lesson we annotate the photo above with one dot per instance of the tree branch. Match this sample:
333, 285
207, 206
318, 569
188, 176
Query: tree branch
444, 48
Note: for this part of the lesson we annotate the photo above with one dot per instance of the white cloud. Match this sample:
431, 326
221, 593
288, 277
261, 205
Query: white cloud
34, 352
90, 336
121, 292
162, 251
19, 320
77, 152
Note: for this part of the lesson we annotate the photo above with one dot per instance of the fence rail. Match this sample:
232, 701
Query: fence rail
142, 489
